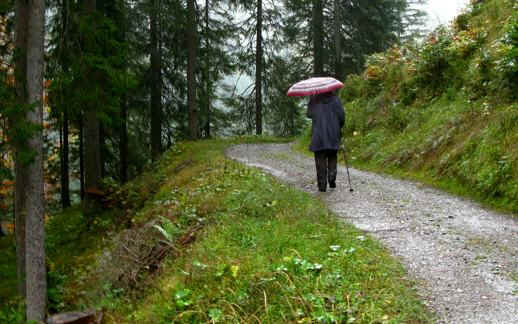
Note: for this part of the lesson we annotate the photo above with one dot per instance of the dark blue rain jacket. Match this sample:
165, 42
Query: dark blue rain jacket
328, 118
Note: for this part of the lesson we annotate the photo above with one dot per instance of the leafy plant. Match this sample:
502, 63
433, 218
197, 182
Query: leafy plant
444, 111
168, 229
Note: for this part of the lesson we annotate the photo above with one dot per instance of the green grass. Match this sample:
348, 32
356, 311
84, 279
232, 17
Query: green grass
447, 146
445, 113
267, 253
7, 269
239, 246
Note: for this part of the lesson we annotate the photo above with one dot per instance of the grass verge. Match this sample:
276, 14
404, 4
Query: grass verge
268, 253
239, 247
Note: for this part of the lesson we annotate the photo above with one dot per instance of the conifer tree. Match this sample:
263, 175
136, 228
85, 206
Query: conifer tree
191, 70
259, 70
15, 122
156, 79
356, 28
30, 29
92, 123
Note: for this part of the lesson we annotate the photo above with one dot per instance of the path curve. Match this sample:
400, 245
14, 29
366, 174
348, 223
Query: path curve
463, 256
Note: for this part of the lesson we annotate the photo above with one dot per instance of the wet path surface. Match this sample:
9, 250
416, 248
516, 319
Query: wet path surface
463, 257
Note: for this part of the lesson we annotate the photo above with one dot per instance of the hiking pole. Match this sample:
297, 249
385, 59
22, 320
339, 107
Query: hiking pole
347, 168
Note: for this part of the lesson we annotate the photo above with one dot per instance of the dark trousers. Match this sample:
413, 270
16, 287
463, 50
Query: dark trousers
325, 162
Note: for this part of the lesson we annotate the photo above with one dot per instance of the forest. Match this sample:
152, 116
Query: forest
114, 119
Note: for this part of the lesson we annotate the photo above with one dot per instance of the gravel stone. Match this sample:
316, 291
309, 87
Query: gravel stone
462, 257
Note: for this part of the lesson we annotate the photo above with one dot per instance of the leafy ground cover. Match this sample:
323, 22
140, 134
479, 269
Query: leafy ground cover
214, 241
444, 111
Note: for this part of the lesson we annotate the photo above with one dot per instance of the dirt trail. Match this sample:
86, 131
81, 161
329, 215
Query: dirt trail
464, 258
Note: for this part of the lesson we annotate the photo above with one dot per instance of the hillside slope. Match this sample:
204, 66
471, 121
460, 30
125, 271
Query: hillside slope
444, 111
199, 238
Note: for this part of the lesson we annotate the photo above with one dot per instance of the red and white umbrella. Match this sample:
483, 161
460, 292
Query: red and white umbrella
313, 86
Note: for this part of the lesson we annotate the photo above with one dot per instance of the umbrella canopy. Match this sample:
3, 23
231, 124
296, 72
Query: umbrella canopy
313, 86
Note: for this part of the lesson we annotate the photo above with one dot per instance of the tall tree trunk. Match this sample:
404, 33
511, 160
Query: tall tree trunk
60, 123
21, 174
65, 187
123, 142
92, 140
207, 70
338, 45
93, 160
191, 68
65, 174
81, 157
36, 274
156, 86
259, 70
102, 153
318, 41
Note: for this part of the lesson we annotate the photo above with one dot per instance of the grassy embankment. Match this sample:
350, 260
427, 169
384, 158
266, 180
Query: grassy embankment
205, 239
444, 112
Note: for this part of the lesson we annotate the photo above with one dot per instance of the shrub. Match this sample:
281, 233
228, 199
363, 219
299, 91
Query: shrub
509, 64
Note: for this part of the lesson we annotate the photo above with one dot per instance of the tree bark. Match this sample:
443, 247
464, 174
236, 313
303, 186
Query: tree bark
207, 70
81, 157
318, 35
191, 68
102, 153
65, 171
65, 180
92, 138
21, 174
156, 84
338, 45
93, 159
123, 142
36, 274
259, 70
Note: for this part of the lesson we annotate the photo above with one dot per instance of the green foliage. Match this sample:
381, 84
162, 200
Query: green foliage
509, 64
8, 279
168, 230
444, 112
264, 246
232, 236
6, 6
440, 63
365, 26
284, 115
12, 312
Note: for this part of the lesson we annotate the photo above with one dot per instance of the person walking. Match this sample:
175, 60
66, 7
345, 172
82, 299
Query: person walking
327, 119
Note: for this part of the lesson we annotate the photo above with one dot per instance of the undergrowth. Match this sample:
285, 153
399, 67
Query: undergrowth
445, 111
267, 253
209, 240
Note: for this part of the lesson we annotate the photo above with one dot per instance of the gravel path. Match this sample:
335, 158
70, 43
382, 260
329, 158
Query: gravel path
463, 257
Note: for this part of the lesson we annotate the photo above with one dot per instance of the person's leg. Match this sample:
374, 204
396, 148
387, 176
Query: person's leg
331, 167
321, 166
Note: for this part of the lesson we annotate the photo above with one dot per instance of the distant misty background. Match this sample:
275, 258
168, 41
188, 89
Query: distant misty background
440, 12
